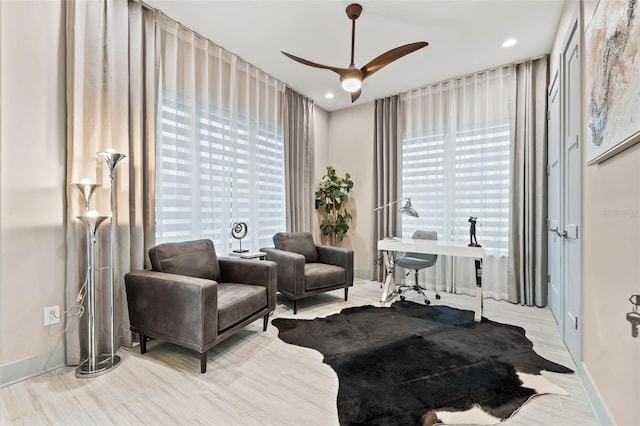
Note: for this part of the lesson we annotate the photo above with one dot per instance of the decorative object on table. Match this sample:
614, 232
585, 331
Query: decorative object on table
332, 196
634, 316
98, 363
411, 364
239, 231
406, 209
351, 78
613, 79
473, 241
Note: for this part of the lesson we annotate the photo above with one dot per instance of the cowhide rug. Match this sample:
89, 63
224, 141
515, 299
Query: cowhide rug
411, 364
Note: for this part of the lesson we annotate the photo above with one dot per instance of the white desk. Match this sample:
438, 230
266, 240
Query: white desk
446, 248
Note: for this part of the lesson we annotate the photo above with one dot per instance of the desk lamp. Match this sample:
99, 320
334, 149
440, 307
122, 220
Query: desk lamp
405, 209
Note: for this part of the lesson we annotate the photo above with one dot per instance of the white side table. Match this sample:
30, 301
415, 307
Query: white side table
250, 255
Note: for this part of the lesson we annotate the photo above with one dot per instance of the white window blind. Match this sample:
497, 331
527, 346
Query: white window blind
213, 170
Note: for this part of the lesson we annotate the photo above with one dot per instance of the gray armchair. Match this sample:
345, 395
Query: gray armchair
305, 269
195, 300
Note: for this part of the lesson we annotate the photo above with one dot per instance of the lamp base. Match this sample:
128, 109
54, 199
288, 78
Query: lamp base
389, 238
241, 251
104, 363
474, 245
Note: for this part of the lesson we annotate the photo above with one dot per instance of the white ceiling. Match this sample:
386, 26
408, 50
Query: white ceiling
464, 36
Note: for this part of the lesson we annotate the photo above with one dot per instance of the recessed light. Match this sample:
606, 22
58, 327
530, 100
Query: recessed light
509, 42
328, 95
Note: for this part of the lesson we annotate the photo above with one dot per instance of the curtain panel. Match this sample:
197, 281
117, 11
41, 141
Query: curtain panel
386, 140
454, 164
110, 53
298, 154
220, 146
528, 247
476, 146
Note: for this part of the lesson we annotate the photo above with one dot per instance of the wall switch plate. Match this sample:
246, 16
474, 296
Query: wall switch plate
51, 315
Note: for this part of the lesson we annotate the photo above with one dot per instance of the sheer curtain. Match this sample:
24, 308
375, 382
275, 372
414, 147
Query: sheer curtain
220, 148
298, 154
110, 52
455, 164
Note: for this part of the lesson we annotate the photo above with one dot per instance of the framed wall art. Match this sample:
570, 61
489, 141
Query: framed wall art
613, 79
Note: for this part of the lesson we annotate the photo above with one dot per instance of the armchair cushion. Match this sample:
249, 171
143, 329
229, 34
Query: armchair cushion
298, 242
320, 275
238, 301
192, 258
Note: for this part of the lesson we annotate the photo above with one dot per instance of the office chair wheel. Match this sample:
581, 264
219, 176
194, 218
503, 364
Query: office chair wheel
427, 302
438, 296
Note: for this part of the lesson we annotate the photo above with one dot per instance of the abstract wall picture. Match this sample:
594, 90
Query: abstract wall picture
613, 79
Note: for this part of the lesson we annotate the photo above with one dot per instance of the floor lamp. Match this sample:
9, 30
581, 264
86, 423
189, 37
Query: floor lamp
405, 209
112, 158
97, 364
94, 363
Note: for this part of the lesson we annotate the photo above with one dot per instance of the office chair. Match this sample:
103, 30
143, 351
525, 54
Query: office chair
415, 262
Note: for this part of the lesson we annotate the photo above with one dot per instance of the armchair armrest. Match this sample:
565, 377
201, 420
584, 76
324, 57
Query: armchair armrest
337, 256
290, 270
254, 272
178, 308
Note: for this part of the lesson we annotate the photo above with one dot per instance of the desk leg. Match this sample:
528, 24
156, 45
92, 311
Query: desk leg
478, 311
389, 287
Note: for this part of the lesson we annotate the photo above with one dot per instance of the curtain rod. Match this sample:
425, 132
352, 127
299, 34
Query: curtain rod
460, 77
146, 6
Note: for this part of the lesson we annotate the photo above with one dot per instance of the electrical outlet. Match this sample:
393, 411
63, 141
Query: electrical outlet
51, 315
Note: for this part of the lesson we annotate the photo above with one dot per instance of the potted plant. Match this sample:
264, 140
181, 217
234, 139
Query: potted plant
331, 197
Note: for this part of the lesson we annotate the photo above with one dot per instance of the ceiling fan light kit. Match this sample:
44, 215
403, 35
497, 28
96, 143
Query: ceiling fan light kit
351, 82
351, 78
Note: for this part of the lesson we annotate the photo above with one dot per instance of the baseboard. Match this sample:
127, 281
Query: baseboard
30, 367
600, 410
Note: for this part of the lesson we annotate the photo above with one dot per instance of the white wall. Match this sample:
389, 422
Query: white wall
610, 261
32, 167
611, 270
351, 150
321, 156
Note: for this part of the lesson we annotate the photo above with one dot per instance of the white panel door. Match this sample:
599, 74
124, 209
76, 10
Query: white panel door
571, 196
554, 189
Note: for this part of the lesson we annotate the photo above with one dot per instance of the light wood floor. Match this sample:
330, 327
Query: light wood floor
253, 378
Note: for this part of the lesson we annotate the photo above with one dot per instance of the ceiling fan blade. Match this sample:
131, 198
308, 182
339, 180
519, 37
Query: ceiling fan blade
355, 95
339, 71
390, 56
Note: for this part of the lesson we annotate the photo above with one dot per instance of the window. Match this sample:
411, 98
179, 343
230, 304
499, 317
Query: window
455, 160
214, 169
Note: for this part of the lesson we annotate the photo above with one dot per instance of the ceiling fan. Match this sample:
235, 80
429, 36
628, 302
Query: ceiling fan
352, 77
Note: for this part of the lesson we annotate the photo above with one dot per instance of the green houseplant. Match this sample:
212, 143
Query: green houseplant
331, 196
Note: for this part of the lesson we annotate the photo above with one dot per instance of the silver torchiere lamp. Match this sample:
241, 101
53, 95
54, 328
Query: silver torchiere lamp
405, 209
112, 158
94, 363
97, 364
